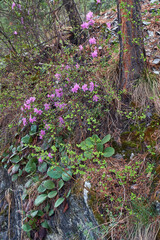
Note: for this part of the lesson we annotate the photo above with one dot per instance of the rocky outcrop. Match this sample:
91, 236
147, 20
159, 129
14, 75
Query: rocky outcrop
75, 224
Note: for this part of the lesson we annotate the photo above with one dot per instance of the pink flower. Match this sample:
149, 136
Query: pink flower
52, 96
46, 106
40, 160
84, 87
80, 47
13, 5
15, 33
75, 88
24, 120
19, 6
47, 127
77, 66
57, 76
32, 99
89, 15
98, 1
59, 92
91, 88
39, 112
94, 54
27, 106
108, 25
85, 25
22, 109
67, 67
61, 122
92, 40
42, 133
49, 155
95, 98
31, 120
91, 22
22, 20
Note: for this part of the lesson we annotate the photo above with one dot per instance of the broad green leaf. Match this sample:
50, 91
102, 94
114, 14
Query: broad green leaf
51, 212
19, 148
52, 194
43, 167
48, 184
28, 183
15, 159
68, 194
40, 199
58, 202
45, 224
34, 213
95, 138
41, 188
88, 154
66, 176
60, 183
20, 172
100, 147
40, 213
26, 227
89, 142
26, 139
33, 130
15, 168
54, 172
30, 166
14, 177
108, 152
47, 207
106, 139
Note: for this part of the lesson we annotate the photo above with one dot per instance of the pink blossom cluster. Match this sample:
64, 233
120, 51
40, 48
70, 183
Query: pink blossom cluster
98, 1
42, 133
51, 96
59, 92
57, 76
90, 21
60, 105
84, 87
46, 106
92, 41
95, 53
38, 111
61, 122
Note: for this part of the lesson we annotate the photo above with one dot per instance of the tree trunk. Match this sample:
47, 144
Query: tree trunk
132, 52
74, 18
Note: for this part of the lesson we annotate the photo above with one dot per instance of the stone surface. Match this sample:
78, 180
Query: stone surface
74, 224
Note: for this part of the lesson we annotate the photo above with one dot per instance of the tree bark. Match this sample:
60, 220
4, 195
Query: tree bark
132, 52
74, 18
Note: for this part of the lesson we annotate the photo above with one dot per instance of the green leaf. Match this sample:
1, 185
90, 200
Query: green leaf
43, 167
66, 176
51, 212
45, 224
41, 188
34, 213
54, 172
40, 199
47, 207
20, 172
33, 130
26, 139
15, 159
68, 194
45, 145
15, 168
89, 142
60, 183
106, 139
48, 184
100, 147
28, 183
88, 154
30, 166
52, 194
40, 213
26, 227
95, 138
14, 177
108, 152
19, 148
58, 202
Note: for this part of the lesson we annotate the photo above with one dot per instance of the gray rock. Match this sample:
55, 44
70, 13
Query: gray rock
74, 224
156, 61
